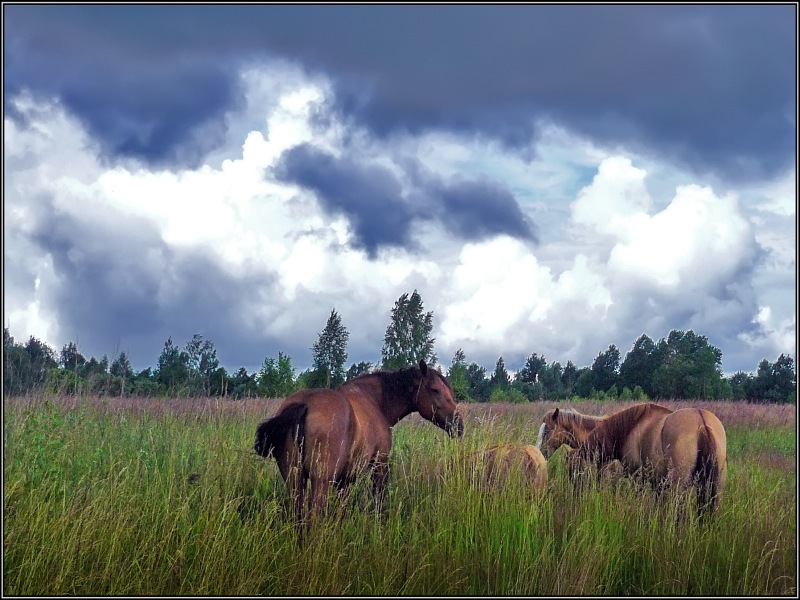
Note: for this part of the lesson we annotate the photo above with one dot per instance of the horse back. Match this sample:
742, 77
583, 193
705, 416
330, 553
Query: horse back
502, 459
636, 433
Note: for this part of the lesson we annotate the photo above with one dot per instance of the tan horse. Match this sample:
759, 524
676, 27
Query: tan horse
503, 459
678, 449
330, 437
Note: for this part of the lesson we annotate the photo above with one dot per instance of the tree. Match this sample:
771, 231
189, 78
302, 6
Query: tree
500, 377
742, 385
201, 360
242, 384
583, 384
640, 364
531, 370
407, 339
70, 357
457, 375
784, 379
605, 369
172, 372
689, 367
774, 382
357, 369
276, 377
478, 385
121, 368
330, 351
550, 381
569, 377
15, 366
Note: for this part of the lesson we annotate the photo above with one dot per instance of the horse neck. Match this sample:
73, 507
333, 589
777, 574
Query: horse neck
390, 400
615, 429
584, 425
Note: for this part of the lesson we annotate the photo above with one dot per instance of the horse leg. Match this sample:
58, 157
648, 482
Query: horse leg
380, 477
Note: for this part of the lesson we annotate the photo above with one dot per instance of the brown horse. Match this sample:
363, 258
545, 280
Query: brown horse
677, 449
503, 459
330, 437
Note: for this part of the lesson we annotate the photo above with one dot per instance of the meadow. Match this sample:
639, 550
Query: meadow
135, 496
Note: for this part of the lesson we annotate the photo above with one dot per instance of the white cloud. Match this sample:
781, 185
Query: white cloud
613, 259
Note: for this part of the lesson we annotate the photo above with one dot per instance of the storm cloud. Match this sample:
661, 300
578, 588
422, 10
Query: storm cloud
551, 179
709, 86
382, 213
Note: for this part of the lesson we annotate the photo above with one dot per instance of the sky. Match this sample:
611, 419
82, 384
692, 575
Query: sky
550, 178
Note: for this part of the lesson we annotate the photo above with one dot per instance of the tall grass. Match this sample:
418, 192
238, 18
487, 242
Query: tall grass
151, 497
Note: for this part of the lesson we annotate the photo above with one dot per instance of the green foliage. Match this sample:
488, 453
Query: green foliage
640, 364
478, 385
359, 368
569, 377
276, 377
457, 376
202, 363
531, 370
583, 384
172, 372
500, 377
507, 394
330, 351
407, 339
605, 369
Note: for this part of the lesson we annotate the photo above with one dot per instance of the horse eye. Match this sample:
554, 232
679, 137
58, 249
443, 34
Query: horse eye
435, 391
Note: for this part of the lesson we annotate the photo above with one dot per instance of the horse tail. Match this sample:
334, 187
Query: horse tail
271, 434
707, 471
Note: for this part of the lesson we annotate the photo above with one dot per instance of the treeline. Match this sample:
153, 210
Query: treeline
682, 365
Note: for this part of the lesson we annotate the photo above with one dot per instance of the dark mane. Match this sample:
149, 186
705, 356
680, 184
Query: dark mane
400, 380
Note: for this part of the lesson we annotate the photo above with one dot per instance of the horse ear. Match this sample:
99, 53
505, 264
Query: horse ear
423, 367
555, 414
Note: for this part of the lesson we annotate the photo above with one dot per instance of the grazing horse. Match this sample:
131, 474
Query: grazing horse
330, 437
678, 449
502, 459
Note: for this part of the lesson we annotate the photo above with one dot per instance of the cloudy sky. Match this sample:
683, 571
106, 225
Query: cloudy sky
551, 179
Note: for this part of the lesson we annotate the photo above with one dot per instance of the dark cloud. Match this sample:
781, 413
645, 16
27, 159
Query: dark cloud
712, 87
382, 214
121, 288
369, 196
481, 209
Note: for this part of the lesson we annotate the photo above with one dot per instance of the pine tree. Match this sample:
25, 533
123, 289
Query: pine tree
407, 339
500, 377
330, 352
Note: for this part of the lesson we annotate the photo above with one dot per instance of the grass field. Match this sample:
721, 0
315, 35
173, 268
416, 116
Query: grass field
166, 497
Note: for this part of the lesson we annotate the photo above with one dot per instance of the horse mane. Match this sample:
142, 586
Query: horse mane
613, 430
574, 418
396, 382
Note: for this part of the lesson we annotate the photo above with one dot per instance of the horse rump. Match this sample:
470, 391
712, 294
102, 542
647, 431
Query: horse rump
272, 433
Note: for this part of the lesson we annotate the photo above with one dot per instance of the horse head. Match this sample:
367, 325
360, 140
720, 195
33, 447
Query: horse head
557, 429
433, 399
